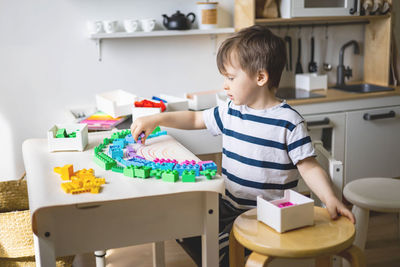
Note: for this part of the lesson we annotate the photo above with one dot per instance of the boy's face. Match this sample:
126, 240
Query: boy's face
241, 88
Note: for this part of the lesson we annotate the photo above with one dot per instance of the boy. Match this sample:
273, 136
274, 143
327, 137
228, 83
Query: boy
265, 141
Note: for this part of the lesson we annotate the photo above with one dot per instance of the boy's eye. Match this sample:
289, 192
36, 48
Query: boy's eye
230, 78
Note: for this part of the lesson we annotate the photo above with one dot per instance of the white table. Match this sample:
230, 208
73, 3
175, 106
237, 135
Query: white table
128, 211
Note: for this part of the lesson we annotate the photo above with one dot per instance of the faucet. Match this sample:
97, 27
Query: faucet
341, 70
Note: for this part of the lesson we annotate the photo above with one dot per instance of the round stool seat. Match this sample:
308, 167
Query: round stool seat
325, 237
378, 194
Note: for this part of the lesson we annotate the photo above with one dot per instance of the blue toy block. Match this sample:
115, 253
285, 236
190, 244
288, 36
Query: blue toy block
119, 142
187, 167
167, 166
209, 166
129, 139
115, 152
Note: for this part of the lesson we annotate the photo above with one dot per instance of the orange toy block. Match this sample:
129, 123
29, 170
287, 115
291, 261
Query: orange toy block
66, 172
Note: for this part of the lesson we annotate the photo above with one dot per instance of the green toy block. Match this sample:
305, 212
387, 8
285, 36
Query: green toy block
104, 161
106, 141
156, 173
156, 130
117, 168
188, 176
72, 135
170, 176
209, 174
142, 171
61, 133
129, 171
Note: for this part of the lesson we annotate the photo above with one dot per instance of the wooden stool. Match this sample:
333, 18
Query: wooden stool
321, 241
377, 194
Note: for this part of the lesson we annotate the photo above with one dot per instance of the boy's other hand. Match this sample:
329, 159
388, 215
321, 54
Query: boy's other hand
144, 125
336, 207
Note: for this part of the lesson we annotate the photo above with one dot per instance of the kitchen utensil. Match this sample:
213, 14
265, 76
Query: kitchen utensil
148, 24
110, 26
288, 41
312, 66
299, 68
179, 21
327, 66
131, 25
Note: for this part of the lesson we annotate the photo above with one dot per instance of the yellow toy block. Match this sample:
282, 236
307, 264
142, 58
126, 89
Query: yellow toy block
66, 172
80, 191
95, 190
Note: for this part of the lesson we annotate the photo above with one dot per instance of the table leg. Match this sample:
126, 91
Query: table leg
258, 260
236, 252
44, 253
209, 239
323, 261
355, 256
362, 220
100, 256
158, 254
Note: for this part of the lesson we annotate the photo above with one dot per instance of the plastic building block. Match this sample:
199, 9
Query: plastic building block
66, 172
119, 142
187, 162
170, 176
285, 204
104, 161
115, 151
188, 167
209, 166
167, 166
188, 176
58, 140
209, 174
129, 139
156, 173
142, 171
72, 135
150, 104
117, 168
61, 133
129, 171
82, 181
156, 130
140, 137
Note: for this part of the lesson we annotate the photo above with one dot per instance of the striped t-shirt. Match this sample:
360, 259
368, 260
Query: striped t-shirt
260, 150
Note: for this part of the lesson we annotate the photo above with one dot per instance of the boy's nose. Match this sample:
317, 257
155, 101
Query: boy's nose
226, 87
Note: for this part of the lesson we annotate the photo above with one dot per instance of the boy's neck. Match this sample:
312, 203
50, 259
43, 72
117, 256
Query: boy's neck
265, 100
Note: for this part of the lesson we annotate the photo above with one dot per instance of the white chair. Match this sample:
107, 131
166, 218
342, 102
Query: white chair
377, 194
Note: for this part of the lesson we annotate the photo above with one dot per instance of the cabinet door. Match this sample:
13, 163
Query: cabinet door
372, 143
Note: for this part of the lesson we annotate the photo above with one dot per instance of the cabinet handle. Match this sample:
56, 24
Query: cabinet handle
371, 117
325, 121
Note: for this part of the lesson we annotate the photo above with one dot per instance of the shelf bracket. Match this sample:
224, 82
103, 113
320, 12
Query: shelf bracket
98, 44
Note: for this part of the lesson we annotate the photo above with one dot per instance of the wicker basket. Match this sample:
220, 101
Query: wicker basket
16, 237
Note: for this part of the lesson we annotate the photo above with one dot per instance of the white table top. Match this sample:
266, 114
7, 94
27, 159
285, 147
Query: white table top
44, 184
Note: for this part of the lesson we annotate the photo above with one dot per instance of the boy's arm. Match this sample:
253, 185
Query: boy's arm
188, 120
318, 181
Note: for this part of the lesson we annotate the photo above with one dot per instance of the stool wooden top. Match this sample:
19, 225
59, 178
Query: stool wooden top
379, 194
325, 237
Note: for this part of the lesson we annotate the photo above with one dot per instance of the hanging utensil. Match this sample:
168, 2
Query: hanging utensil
299, 68
327, 66
312, 66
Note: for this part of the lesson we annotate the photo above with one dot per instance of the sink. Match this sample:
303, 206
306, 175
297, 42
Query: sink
362, 88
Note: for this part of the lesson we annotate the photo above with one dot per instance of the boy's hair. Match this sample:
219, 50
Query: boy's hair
256, 48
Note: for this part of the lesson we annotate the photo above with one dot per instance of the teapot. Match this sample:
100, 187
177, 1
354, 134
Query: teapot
179, 21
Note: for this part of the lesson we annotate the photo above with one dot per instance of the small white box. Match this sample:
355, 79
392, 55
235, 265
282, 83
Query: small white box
202, 100
115, 103
175, 103
286, 218
71, 143
140, 112
311, 81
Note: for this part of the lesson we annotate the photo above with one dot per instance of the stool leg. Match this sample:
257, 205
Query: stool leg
236, 252
158, 254
323, 261
100, 258
258, 260
362, 219
354, 255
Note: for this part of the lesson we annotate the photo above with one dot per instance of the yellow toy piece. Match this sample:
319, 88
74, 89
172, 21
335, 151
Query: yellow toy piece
82, 181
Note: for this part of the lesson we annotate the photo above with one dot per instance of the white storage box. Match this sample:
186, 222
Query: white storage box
175, 103
202, 100
70, 143
311, 81
115, 103
286, 218
140, 112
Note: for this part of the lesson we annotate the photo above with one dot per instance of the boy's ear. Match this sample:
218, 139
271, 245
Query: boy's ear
262, 77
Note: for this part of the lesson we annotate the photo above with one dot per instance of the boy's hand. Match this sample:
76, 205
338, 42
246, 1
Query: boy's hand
144, 125
336, 207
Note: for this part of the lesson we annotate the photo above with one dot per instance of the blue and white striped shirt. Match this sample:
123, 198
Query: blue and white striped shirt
260, 150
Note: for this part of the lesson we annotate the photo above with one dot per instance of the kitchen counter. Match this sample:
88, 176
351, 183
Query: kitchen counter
332, 95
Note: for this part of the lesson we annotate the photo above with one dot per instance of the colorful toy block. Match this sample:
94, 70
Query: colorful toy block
66, 172
188, 167
187, 162
117, 168
55, 143
150, 104
142, 171
209, 166
188, 176
209, 174
82, 181
140, 137
170, 176
104, 161
167, 166
156, 173
115, 152
129, 171
119, 142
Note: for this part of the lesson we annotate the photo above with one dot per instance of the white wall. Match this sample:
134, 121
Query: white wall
47, 62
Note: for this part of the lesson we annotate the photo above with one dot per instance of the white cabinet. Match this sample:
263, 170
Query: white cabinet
372, 143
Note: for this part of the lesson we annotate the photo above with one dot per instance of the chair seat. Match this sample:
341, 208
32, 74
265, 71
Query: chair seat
325, 237
378, 194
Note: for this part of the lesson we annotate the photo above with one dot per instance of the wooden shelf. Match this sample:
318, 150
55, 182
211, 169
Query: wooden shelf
328, 20
161, 33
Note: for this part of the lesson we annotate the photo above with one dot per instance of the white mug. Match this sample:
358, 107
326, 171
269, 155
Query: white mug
148, 24
131, 25
110, 26
95, 26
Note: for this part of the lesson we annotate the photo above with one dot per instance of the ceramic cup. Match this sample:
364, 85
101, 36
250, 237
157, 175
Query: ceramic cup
95, 26
148, 24
131, 25
110, 26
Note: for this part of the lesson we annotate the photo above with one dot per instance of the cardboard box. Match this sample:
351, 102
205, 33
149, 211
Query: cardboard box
66, 144
311, 81
115, 103
286, 218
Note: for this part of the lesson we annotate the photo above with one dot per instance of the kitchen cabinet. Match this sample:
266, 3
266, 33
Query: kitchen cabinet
372, 143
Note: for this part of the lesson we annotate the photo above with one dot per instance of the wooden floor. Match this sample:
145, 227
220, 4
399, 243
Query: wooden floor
382, 249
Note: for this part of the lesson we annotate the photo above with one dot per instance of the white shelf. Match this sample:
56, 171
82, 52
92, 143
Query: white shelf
161, 33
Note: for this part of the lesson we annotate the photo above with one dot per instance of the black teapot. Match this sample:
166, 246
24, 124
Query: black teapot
179, 21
